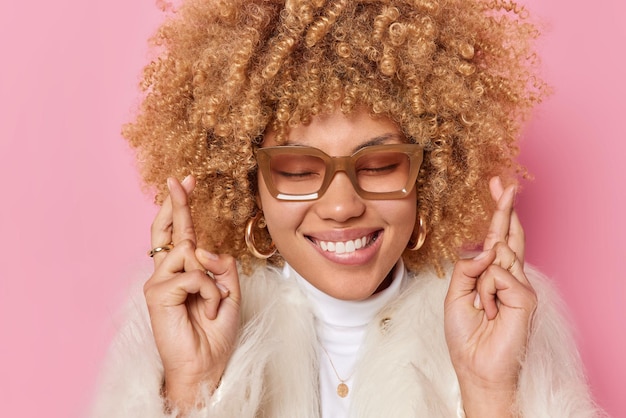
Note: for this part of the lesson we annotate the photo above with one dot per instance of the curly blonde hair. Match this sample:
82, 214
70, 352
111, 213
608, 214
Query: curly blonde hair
457, 76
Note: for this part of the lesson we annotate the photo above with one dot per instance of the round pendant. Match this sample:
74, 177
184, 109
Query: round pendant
342, 390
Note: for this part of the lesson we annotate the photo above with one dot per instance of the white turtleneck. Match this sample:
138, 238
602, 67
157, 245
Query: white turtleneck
340, 327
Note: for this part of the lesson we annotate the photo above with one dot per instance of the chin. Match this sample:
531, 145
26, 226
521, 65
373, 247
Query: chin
351, 293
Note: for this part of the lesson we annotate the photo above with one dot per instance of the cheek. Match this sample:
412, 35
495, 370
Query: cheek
283, 215
282, 218
283, 223
401, 213
402, 218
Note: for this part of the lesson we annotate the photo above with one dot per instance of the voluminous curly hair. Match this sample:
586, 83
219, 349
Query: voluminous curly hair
457, 76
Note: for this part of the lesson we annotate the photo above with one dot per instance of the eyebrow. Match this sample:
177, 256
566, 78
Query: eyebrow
377, 140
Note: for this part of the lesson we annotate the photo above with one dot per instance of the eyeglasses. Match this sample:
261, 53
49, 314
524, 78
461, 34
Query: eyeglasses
298, 173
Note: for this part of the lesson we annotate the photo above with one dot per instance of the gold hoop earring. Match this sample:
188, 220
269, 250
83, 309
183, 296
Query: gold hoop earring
416, 242
257, 222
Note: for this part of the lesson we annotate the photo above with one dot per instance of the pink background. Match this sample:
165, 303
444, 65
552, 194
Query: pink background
74, 224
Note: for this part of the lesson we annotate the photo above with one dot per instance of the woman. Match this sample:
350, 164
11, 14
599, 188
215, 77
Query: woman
341, 160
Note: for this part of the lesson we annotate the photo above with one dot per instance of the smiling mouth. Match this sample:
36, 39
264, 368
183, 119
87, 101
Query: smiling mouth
346, 247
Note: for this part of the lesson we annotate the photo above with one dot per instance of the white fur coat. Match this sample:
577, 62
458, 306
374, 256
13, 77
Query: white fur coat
404, 369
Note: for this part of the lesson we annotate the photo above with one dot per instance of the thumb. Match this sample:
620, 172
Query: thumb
466, 272
224, 270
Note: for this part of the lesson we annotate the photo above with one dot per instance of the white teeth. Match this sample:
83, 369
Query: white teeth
342, 247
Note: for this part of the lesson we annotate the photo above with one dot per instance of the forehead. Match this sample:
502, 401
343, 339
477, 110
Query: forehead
341, 134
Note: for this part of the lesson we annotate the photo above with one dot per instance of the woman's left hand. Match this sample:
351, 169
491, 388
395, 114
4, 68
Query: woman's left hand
488, 314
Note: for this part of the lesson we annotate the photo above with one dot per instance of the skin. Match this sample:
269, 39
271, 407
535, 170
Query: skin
340, 214
488, 309
488, 314
194, 317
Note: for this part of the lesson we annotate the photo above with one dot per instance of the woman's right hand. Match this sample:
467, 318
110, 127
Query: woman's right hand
194, 316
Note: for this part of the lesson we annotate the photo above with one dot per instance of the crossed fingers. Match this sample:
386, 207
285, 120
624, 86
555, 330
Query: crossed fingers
505, 224
173, 224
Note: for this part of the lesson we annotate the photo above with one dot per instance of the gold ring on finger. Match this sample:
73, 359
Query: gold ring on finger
156, 250
510, 267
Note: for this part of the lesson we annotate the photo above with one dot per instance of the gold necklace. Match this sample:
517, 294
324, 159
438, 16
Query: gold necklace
342, 387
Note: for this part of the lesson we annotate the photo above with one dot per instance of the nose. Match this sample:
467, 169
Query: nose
340, 202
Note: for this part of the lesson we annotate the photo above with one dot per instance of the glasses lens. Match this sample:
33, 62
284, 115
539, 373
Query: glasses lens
382, 171
297, 174
376, 172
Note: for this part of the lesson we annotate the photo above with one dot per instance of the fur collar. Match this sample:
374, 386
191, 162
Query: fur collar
404, 369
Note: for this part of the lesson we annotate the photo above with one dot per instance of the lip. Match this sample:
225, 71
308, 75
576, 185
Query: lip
360, 256
337, 235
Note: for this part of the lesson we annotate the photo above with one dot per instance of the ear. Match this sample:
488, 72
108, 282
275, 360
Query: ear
258, 201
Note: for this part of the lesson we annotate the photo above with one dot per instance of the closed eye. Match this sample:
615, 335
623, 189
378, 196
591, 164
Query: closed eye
296, 175
378, 170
